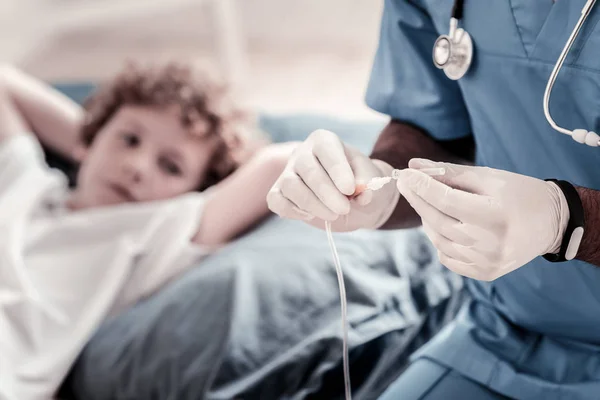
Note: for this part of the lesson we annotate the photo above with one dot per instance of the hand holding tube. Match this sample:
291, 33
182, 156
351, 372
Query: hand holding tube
320, 184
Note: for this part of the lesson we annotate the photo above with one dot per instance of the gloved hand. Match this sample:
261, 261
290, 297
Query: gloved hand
320, 183
485, 222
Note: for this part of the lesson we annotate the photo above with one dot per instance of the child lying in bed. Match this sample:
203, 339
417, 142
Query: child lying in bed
167, 172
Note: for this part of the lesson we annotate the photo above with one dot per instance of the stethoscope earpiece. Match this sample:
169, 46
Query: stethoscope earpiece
586, 137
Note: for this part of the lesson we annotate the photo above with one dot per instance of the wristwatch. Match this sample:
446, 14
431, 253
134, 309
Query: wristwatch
575, 227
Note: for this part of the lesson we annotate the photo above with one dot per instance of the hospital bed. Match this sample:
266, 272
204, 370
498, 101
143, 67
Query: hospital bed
260, 319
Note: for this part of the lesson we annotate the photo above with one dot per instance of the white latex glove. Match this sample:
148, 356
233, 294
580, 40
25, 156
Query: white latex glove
323, 180
485, 222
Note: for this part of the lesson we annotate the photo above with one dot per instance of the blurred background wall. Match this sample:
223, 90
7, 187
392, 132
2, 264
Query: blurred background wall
288, 55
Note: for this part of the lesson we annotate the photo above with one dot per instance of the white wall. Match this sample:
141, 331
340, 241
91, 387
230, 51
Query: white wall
303, 54
269, 25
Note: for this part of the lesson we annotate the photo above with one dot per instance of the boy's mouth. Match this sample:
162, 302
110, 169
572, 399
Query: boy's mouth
122, 192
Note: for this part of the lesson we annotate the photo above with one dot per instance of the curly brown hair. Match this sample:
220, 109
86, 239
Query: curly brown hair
204, 103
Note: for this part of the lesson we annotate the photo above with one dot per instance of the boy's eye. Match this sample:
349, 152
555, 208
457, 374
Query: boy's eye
170, 167
131, 139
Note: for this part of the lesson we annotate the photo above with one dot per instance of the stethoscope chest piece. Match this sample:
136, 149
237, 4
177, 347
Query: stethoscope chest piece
454, 53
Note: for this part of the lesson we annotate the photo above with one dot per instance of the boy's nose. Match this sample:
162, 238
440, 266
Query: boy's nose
133, 174
134, 168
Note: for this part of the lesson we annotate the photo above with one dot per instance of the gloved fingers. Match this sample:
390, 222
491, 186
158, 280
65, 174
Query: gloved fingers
364, 198
493, 255
284, 207
460, 205
467, 269
364, 170
316, 179
444, 244
457, 176
487, 237
483, 266
294, 189
438, 221
363, 167
330, 152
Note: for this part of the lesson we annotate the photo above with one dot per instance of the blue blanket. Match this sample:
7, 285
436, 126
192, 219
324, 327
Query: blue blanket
261, 319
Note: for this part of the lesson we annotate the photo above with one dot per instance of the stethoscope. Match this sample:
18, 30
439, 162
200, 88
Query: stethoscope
453, 53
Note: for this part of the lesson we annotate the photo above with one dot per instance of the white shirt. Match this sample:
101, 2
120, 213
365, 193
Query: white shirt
62, 273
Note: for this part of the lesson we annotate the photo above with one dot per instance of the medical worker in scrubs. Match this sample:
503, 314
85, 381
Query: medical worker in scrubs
519, 216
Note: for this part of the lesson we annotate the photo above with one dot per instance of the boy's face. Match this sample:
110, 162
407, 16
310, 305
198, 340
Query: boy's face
141, 154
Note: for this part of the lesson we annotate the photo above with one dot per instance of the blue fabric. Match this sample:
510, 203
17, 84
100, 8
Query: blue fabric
77, 91
427, 380
533, 333
361, 134
261, 320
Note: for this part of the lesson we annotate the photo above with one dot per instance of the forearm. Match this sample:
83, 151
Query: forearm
400, 142
589, 250
53, 117
239, 202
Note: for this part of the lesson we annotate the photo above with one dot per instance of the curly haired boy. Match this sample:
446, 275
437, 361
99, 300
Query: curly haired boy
168, 170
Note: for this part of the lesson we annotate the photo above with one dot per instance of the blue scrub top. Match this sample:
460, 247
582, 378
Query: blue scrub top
534, 333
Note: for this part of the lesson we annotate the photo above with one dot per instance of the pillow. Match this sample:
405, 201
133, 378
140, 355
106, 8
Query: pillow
77, 91
361, 134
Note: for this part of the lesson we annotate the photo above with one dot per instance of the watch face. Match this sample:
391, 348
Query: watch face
575, 226
441, 51
574, 243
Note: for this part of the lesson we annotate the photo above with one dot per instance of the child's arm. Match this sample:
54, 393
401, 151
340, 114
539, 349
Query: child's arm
239, 202
28, 105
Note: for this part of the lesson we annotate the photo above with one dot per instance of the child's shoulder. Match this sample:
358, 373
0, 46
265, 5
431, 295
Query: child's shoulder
26, 182
19, 154
19, 146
